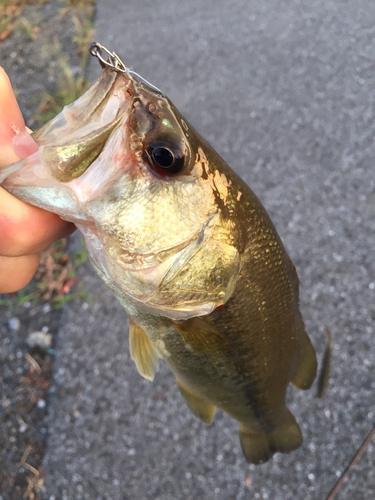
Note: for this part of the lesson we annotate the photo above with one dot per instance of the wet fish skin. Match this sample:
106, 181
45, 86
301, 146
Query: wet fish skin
188, 250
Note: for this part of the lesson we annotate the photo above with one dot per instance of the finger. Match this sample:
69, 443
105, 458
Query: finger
26, 229
16, 272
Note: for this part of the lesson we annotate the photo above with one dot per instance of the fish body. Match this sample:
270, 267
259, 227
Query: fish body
185, 246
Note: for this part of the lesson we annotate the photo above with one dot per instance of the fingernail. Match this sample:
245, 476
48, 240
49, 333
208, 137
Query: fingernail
13, 133
24, 145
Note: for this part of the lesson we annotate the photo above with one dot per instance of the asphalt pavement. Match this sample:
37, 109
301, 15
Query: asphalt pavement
285, 91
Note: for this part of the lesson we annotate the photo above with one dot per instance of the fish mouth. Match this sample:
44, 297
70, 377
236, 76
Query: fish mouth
70, 143
63, 174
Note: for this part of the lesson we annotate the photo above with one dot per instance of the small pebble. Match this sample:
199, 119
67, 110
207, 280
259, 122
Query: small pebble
14, 324
41, 403
43, 340
46, 308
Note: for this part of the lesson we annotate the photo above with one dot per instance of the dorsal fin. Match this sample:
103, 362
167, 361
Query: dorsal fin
143, 352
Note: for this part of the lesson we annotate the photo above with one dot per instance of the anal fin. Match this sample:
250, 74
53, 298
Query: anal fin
201, 408
258, 448
143, 352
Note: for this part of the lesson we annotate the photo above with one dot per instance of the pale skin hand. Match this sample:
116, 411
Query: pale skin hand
24, 230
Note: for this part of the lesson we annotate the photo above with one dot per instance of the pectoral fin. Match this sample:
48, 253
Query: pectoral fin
203, 337
200, 407
143, 352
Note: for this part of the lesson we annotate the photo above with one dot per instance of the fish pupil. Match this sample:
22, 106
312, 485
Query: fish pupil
163, 157
167, 157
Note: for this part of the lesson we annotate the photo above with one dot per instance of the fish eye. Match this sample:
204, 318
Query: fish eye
169, 157
163, 157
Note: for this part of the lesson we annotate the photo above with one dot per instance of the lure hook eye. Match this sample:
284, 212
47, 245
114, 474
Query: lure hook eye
113, 61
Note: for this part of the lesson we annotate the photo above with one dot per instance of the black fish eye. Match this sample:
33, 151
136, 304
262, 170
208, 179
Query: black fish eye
169, 157
163, 157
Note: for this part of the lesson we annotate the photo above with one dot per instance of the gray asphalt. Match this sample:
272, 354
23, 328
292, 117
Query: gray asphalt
285, 91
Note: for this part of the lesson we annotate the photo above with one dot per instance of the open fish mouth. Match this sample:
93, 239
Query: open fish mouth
71, 146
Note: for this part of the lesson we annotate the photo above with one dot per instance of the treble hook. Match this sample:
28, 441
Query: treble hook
113, 61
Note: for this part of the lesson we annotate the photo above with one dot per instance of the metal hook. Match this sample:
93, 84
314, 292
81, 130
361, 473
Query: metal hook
113, 61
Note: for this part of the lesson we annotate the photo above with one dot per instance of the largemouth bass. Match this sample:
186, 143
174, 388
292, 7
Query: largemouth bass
186, 247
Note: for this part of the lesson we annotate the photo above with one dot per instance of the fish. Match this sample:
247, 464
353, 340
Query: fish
185, 246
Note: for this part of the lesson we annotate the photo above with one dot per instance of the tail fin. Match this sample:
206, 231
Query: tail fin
258, 448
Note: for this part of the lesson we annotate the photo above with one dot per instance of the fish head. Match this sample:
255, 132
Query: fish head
149, 195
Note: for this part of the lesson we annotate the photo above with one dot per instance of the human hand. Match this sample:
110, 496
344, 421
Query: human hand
24, 230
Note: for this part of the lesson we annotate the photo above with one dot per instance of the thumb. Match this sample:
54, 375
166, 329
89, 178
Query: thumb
15, 141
